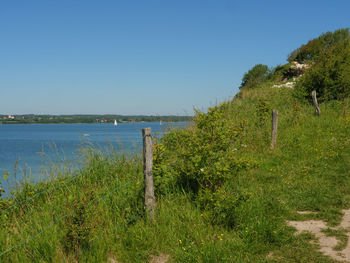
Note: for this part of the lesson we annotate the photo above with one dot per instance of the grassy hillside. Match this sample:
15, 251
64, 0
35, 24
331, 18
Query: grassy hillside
223, 195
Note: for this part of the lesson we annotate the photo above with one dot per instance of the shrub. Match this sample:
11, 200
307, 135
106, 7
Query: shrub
203, 161
287, 72
80, 224
202, 157
280, 72
263, 110
255, 76
330, 76
219, 206
315, 47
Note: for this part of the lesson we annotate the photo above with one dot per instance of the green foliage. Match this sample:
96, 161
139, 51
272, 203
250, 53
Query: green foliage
255, 76
285, 72
81, 224
204, 157
5, 175
220, 206
222, 194
244, 212
315, 47
329, 76
280, 72
263, 110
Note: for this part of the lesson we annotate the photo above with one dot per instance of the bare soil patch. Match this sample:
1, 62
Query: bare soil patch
162, 258
326, 243
306, 212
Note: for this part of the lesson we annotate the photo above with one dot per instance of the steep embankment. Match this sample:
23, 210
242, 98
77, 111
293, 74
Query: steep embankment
258, 189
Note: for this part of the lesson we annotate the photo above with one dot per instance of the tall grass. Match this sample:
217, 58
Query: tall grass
96, 214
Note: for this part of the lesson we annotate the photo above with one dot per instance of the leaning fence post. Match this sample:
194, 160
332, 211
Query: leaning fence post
314, 99
274, 128
150, 200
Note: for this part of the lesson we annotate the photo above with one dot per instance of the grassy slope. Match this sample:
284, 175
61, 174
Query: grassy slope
309, 170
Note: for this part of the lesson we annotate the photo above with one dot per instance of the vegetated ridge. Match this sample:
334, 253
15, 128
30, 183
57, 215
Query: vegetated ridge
223, 195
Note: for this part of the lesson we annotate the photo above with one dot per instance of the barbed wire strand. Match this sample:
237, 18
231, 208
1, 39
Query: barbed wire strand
33, 237
59, 219
34, 196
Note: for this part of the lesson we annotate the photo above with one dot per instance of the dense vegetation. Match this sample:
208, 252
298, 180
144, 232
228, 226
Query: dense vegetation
316, 47
223, 195
329, 76
255, 75
327, 60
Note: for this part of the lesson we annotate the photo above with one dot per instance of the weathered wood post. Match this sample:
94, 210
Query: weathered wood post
314, 99
274, 128
150, 200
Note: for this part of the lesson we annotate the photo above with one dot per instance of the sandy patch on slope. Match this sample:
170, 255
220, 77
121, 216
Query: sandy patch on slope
327, 243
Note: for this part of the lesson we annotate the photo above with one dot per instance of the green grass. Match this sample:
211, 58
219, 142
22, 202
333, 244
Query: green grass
241, 219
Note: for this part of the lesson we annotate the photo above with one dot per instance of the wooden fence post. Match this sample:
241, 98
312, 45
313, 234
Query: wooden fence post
150, 200
314, 99
274, 128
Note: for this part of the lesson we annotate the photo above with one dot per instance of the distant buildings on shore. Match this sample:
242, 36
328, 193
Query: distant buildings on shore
32, 118
8, 117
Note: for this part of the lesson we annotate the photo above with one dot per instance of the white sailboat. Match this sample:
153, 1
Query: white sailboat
160, 123
115, 123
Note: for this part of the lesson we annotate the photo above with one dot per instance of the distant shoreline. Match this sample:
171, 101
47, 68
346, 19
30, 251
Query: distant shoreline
85, 119
14, 123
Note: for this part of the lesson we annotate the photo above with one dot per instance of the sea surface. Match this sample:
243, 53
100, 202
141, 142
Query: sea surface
33, 150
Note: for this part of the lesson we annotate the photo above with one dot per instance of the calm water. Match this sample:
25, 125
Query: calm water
25, 149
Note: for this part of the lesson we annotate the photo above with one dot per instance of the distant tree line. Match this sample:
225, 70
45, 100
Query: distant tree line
32, 118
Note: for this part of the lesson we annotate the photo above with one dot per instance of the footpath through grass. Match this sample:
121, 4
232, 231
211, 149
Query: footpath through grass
222, 194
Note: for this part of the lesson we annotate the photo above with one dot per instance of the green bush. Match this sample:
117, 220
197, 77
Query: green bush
329, 76
285, 72
315, 47
80, 225
280, 72
202, 157
255, 76
202, 161
219, 206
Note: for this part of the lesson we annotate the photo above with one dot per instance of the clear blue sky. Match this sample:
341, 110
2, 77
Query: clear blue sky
145, 57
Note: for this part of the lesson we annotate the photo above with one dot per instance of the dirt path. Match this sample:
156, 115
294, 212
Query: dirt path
327, 243
162, 258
